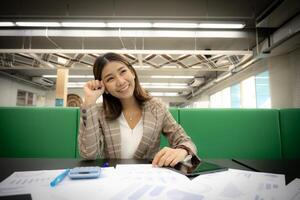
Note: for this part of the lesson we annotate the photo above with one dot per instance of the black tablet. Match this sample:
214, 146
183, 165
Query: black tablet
203, 168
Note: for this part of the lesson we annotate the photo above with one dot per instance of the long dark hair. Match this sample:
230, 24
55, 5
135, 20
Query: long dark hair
112, 105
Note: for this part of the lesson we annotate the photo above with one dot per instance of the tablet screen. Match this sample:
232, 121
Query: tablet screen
206, 167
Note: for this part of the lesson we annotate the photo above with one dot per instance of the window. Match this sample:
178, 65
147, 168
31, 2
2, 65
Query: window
252, 92
235, 96
220, 99
263, 99
25, 98
248, 93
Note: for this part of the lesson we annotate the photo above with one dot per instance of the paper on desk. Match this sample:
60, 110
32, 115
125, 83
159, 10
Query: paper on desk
28, 181
291, 191
238, 184
148, 173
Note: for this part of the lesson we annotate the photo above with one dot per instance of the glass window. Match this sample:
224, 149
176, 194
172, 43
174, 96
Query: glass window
235, 96
25, 98
248, 93
262, 88
21, 98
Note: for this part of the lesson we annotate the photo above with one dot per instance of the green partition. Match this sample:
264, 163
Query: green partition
38, 132
290, 132
163, 140
233, 133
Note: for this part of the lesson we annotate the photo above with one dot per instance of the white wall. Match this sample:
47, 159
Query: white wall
284, 73
9, 89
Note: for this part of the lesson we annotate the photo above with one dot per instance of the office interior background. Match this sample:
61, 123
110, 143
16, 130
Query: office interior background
192, 53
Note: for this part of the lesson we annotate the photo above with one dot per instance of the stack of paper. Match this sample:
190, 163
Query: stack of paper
137, 182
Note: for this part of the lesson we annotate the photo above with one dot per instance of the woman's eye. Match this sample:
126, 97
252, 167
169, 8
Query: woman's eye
123, 71
109, 79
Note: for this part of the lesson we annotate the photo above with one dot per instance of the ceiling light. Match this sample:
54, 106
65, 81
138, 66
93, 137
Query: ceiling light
167, 94
83, 24
165, 84
164, 87
222, 25
7, 24
128, 25
174, 25
70, 76
159, 76
41, 24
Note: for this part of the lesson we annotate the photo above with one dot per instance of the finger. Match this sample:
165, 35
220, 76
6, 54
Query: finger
158, 156
175, 162
169, 160
98, 84
163, 159
94, 85
88, 85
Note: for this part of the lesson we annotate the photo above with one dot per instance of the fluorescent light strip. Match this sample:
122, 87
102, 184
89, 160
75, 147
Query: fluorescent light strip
129, 25
223, 26
70, 76
167, 94
164, 84
164, 87
175, 25
83, 24
5, 24
160, 76
39, 24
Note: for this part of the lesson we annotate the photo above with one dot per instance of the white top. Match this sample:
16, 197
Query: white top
130, 138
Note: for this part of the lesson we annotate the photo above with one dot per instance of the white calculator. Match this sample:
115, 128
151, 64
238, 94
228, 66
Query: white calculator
85, 172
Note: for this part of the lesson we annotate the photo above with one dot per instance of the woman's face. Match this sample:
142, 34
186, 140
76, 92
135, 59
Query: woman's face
118, 80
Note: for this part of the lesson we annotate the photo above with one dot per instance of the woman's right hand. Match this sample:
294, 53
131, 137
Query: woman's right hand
92, 91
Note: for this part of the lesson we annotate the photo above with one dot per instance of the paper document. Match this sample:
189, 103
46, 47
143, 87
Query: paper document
238, 184
148, 173
144, 182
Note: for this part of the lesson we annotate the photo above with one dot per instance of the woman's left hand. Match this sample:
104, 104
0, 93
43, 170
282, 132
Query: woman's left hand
169, 157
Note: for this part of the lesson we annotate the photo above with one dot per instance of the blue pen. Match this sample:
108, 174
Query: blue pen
59, 178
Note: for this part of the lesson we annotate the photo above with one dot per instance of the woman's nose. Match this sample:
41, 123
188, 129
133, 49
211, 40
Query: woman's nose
120, 80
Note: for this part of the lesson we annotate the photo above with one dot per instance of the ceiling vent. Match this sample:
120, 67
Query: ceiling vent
43, 81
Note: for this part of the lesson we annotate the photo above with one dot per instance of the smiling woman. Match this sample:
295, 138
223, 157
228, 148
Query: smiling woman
129, 122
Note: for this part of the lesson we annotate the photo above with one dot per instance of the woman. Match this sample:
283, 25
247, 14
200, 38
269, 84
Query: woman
129, 122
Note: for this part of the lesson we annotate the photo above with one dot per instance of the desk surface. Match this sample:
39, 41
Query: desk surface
9, 165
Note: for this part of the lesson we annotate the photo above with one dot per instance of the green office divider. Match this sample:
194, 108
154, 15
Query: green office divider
38, 132
163, 140
233, 133
290, 132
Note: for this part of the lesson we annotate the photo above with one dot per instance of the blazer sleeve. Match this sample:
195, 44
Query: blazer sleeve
90, 137
178, 138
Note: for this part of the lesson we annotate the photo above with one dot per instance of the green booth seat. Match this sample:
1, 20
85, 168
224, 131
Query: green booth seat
38, 132
233, 133
290, 132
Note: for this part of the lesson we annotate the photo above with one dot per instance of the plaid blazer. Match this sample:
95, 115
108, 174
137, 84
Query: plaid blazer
99, 137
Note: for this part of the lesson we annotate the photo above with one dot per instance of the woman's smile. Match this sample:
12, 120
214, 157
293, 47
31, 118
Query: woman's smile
124, 88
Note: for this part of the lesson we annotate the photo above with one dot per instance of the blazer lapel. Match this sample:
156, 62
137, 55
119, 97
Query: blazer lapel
149, 127
113, 139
